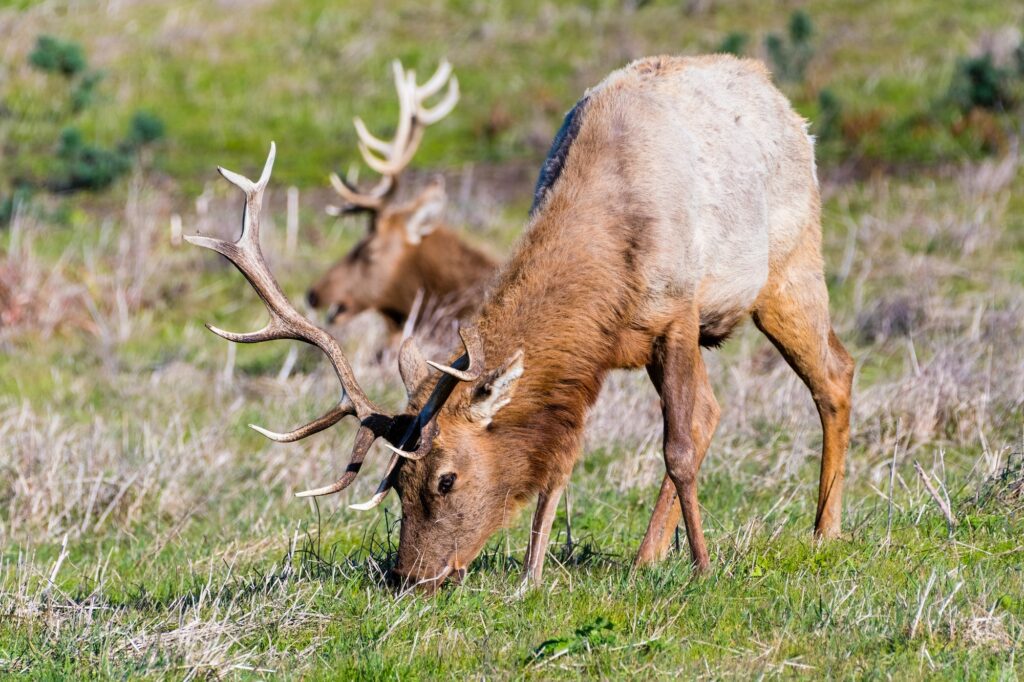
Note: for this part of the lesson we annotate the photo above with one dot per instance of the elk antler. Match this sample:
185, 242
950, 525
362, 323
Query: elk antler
423, 429
413, 119
288, 323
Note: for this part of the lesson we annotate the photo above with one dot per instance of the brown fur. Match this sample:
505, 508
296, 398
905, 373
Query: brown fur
636, 257
386, 270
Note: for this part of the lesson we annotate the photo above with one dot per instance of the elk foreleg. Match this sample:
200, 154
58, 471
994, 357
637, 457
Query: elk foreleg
540, 534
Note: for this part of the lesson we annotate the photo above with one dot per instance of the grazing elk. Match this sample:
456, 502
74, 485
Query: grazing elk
679, 197
408, 252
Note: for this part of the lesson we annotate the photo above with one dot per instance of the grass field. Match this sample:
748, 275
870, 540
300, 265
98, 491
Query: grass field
146, 532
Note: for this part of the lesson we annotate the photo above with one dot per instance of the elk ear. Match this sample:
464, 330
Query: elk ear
496, 390
428, 212
413, 369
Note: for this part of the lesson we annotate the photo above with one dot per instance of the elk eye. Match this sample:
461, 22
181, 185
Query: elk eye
444, 485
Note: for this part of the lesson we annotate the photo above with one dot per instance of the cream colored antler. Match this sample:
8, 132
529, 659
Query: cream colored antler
413, 119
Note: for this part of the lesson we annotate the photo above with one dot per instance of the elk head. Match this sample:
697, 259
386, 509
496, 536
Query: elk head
469, 484
379, 273
374, 274
446, 489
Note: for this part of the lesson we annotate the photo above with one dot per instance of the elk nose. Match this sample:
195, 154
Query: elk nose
312, 298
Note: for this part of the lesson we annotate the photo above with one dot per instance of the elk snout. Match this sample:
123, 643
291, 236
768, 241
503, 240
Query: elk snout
401, 581
313, 298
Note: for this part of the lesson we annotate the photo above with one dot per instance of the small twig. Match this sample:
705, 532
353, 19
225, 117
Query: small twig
52, 581
924, 597
568, 521
892, 482
175, 229
943, 504
291, 239
228, 373
289, 363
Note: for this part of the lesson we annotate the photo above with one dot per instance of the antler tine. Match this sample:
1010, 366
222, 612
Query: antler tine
435, 82
335, 415
408, 136
371, 140
364, 439
382, 490
441, 109
405, 85
285, 321
397, 164
372, 200
426, 437
474, 346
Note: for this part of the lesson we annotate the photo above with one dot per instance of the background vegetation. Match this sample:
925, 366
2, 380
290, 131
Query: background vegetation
144, 531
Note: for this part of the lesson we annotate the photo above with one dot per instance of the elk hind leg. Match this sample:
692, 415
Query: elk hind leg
793, 313
667, 510
677, 368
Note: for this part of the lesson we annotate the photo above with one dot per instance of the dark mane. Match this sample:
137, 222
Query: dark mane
558, 153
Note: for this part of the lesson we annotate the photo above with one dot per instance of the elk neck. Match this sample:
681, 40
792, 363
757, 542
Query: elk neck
569, 299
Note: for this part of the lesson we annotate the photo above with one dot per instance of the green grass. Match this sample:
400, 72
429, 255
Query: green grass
176, 546
777, 603
227, 82
208, 565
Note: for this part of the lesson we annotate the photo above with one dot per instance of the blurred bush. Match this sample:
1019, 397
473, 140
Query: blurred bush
978, 82
57, 56
789, 57
830, 112
76, 164
734, 43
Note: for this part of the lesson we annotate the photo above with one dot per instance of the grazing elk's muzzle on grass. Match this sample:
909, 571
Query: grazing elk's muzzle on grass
457, 496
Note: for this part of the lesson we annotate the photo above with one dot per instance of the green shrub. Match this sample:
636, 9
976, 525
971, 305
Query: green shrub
800, 28
830, 111
85, 166
145, 128
978, 82
80, 164
734, 43
57, 56
790, 57
84, 93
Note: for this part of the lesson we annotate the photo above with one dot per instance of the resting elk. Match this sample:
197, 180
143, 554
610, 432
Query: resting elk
408, 253
680, 196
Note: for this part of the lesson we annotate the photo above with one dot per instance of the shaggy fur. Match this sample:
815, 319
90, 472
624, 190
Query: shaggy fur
555, 160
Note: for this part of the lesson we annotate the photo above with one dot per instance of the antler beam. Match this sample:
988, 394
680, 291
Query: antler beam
287, 323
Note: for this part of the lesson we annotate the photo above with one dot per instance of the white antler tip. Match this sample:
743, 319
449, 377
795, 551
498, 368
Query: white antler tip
272, 435
268, 166
400, 452
370, 503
